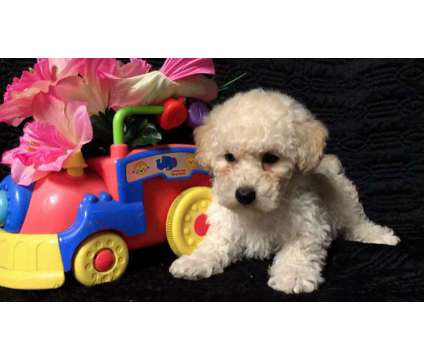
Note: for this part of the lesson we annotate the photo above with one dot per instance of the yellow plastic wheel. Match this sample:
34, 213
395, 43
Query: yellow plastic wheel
186, 223
102, 258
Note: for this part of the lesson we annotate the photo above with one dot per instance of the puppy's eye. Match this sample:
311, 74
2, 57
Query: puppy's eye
269, 158
229, 157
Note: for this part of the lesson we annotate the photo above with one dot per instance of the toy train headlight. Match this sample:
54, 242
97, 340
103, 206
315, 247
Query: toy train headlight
3, 207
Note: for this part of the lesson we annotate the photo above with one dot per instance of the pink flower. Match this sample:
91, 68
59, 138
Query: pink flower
187, 75
94, 86
180, 68
19, 95
150, 88
61, 94
90, 87
58, 130
133, 68
177, 77
107, 83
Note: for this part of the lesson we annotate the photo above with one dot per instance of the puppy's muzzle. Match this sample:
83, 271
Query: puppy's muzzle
245, 195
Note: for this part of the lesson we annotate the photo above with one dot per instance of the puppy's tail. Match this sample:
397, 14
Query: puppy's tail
353, 221
330, 165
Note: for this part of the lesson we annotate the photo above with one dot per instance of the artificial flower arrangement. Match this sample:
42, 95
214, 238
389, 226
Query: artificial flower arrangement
72, 101
61, 211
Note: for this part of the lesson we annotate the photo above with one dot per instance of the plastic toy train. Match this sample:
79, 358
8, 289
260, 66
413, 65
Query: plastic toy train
86, 218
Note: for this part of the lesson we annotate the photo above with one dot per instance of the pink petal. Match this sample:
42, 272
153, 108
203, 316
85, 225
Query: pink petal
43, 70
92, 67
55, 164
42, 149
78, 89
150, 88
133, 68
43, 138
13, 112
45, 73
25, 175
18, 98
71, 120
64, 67
80, 131
197, 87
9, 155
91, 87
27, 79
123, 82
180, 68
49, 109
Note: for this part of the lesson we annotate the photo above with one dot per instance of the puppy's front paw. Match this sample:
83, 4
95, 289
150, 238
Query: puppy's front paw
191, 268
295, 281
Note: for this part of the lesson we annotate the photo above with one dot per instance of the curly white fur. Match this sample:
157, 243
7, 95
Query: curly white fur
303, 200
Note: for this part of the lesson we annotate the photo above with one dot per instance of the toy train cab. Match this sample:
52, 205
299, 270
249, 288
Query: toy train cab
86, 218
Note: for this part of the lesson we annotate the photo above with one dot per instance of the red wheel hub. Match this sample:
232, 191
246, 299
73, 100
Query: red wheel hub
104, 260
200, 225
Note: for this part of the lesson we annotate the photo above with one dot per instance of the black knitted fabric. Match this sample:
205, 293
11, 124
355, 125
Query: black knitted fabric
374, 110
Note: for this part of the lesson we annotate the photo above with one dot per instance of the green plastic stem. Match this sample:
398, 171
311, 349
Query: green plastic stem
122, 114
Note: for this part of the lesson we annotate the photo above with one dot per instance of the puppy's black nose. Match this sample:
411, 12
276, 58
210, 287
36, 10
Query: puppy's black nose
245, 195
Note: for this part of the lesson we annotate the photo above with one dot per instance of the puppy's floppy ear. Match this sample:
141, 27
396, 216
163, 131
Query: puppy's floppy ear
203, 138
311, 135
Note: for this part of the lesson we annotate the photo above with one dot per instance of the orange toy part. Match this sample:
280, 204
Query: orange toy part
105, 167
55, 201
159, 194
173, 115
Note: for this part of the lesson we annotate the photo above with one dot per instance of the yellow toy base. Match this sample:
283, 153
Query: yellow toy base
30, 261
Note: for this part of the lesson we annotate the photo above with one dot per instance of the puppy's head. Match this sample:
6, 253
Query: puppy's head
254, 143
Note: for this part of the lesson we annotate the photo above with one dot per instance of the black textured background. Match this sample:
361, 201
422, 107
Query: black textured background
374, 109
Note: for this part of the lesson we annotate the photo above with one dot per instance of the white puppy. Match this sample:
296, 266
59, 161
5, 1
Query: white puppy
274, 192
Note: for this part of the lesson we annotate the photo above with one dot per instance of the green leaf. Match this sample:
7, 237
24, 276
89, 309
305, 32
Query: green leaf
102, 135
228, 84
138, 131
142, 133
